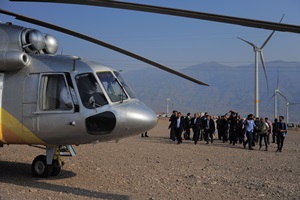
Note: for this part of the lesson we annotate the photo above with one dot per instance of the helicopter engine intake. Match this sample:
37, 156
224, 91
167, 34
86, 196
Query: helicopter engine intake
13, 60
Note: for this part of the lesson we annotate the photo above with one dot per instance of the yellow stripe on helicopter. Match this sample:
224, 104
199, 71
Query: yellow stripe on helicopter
13, 132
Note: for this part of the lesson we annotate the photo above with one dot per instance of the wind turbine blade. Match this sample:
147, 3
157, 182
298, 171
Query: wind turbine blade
282, 95
294, 103
264, 67
253, 45
272, 97
100, 43
267, 40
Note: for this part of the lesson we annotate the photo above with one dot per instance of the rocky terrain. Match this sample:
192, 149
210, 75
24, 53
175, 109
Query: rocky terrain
157, 168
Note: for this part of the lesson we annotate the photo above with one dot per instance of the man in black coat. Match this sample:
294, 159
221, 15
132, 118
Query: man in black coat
209, 128
197, 128
179, 127
172, 121
225, 126
282, 131
187, 121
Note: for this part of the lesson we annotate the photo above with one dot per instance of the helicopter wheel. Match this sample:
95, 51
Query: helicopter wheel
40, 168
56, 168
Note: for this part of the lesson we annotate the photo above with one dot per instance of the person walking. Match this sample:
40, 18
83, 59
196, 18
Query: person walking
275, 130
197, 128
282, 131
219, 127
209, 129
233, 123
249, 128
225, 126
187, 121
263, 129
172, 125
270, 129
179, 127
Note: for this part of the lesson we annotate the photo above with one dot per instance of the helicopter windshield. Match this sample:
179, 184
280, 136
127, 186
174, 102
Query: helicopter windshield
112, 86
125, 85
90, 91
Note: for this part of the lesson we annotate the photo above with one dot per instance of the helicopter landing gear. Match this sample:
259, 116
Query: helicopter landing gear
40, 168
50, 164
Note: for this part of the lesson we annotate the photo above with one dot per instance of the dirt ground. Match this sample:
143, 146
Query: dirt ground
157, 168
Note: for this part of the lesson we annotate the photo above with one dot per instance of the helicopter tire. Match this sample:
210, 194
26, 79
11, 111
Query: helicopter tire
56, 168
39, 167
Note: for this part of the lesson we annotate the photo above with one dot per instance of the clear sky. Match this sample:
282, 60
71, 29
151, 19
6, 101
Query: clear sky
173, 41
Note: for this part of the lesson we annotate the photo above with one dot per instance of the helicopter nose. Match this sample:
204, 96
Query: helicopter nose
140, 118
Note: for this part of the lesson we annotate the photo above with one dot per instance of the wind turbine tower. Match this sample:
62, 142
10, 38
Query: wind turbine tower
169, 103
276, 90
257, 51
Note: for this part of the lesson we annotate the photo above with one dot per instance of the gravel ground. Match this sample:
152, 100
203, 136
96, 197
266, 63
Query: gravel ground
157, 168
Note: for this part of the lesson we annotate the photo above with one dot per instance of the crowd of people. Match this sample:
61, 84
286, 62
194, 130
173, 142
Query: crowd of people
228, 128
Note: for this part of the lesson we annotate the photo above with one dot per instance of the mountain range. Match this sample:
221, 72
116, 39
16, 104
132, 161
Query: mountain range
230, 88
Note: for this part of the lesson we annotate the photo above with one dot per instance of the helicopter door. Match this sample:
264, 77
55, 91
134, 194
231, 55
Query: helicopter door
30, 101
57, 106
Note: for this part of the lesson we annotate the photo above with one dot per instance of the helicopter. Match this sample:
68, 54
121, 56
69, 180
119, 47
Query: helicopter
54, 101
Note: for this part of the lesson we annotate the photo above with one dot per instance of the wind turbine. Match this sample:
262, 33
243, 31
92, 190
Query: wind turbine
287, 105
169, 102
257, 50
276, 90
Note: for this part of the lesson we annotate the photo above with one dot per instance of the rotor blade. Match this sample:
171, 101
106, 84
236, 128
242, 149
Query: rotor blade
101, 43
272, 97
264, 67
294, 103
253, 45
282, 95
267, 40
181, 13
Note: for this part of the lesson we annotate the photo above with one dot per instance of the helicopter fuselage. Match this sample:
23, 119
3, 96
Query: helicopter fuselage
34, 88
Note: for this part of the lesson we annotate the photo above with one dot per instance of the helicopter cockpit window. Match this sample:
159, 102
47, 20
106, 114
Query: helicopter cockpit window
90, 91
112, 86
125, 85
54, 93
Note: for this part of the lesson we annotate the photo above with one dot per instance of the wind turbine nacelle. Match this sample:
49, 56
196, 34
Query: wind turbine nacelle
13, 38
13, 60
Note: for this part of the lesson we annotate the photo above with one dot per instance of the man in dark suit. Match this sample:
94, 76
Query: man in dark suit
193, 122
209, 129
187, 121
203, 124
197, 128
172, 121
179, 127
225, 126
